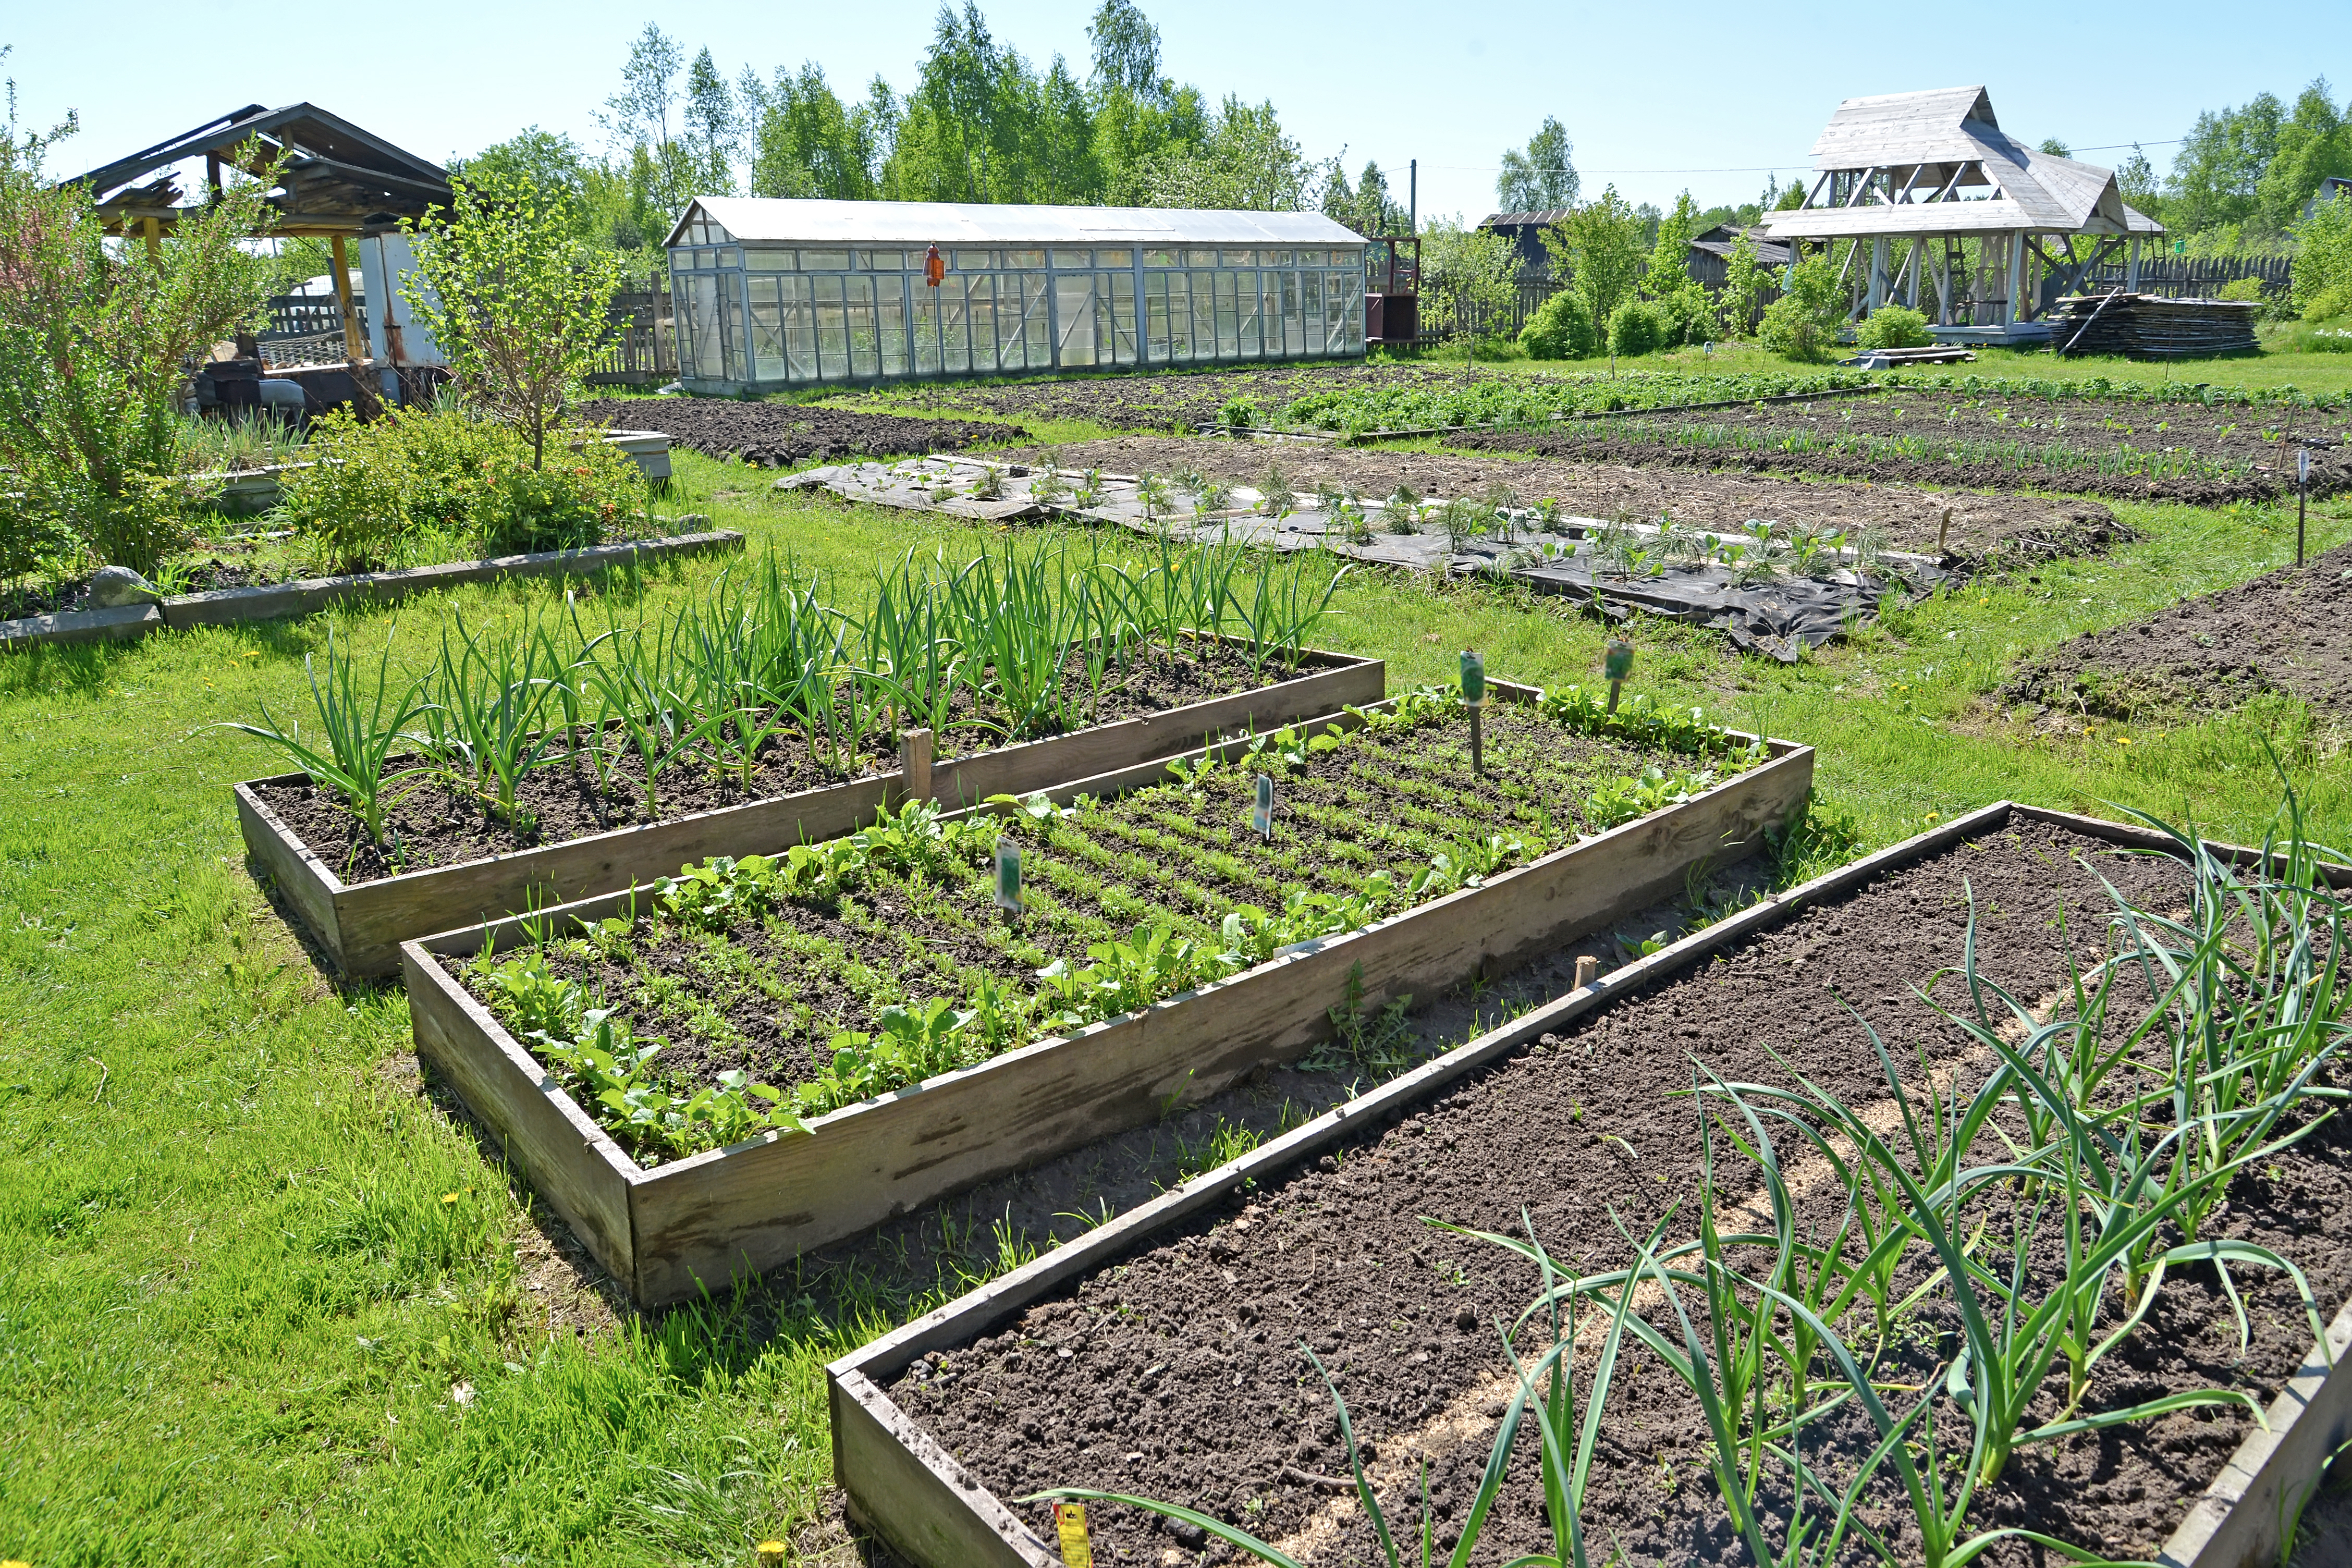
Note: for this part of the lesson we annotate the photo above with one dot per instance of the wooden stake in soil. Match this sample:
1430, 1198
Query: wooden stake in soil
1474, 697
915, 764
1616, 665
2302, 490
1588, 970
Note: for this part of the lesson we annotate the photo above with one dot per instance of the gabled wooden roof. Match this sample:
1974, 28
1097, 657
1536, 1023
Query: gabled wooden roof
335, 176
1914, 162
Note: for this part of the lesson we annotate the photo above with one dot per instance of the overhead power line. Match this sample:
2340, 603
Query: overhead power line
1749, 169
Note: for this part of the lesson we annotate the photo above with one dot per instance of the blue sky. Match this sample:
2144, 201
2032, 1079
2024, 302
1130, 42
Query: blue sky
1707, 96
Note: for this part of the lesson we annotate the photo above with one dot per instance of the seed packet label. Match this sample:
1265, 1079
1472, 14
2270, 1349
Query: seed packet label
1619, 662
1474, 680
1008, 874
1070, 1524
1262, 812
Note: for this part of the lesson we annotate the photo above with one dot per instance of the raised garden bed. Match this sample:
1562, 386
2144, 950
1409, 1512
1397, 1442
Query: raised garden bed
2288, 631
308, 841
778, 435
1159, 1354
1132, 895
307, 596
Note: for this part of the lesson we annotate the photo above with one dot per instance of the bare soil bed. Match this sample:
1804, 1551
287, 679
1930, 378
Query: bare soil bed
2184, 452
1984, 528
2286, 631
440, 825
778, 435
1181, 401
1177, 1374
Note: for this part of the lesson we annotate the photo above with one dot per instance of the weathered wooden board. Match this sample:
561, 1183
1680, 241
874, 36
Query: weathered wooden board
227, 607
703, 1220
567, 1159
2237, 1523
928, 1507
362, 925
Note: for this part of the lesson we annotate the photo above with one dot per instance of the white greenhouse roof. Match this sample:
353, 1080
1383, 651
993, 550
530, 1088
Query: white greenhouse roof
759, 218
1938, 135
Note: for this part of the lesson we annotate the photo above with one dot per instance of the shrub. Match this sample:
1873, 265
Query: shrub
1895, 327
1561, 328
2243, 289
1637, 327
1687, 314
2323, 268
580, 495
1240, 413
350, 502
1803, 321
446, 451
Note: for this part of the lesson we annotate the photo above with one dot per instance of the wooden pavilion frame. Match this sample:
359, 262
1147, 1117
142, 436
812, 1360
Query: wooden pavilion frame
333, 181
1919, 175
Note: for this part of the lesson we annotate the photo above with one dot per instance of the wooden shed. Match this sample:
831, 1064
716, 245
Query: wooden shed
1952, 216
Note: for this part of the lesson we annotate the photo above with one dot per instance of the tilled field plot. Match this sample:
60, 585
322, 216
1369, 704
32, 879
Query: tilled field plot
777, 435
2287, 631
1177, 1373
1177, 402
1984, 528
2173, 451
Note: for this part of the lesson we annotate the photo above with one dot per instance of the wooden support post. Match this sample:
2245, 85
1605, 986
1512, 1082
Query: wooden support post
2016, 281
1877, 270
915, 764
2131, 268
354, 349
153, 227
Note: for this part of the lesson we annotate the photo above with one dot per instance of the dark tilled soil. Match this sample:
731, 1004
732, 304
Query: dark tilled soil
203, 577
2286, 631
2227, 438
1176, 1373
1983, 527
778, 435
1183, 401
438, 824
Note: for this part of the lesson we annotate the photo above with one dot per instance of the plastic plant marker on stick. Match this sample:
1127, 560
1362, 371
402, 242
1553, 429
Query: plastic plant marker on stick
1474, 697
1262, 811
1616, 665
1008, 876
1070, 1524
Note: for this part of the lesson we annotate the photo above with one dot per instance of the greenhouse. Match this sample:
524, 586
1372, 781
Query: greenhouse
774, 293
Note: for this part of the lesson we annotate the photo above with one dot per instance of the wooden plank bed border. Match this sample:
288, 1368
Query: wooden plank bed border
709, 1217
2235, 1523
362, 925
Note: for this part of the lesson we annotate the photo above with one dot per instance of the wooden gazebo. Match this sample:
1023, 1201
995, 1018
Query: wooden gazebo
1955, 213
336, 181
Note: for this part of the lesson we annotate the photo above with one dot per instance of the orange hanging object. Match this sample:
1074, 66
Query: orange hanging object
935, 266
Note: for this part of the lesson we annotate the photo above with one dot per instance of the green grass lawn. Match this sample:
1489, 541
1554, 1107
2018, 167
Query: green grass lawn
262, 1300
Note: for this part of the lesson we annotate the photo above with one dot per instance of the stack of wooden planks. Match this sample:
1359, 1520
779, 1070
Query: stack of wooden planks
2146, 326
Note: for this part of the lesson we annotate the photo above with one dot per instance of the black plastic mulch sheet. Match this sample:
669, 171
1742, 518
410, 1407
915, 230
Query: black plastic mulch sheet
1776, 616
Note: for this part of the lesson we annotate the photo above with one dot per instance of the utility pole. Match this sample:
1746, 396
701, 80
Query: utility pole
1413, 195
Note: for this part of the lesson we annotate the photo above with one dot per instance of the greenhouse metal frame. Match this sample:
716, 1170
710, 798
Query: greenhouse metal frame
771, 294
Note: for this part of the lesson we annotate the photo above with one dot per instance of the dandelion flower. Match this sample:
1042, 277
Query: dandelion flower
449, 1198
2122, 740
1934, 816
772, 1553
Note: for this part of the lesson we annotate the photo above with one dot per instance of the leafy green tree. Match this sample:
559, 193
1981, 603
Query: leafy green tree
2217, 173
1543, 177
1244, 161
2323, 264
1745, 285
2316, 143
93, 338
1366, 207
518, 301
1803, 321
1599, 248
805, 142
1126, 51
1469, 276
712, 136
638, 118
